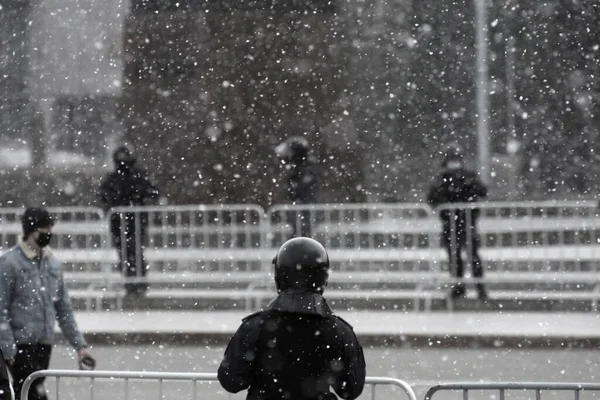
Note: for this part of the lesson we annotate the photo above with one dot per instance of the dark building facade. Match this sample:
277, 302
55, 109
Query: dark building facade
212, 87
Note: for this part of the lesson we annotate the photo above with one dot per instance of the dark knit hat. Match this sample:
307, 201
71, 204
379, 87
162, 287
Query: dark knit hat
35, 218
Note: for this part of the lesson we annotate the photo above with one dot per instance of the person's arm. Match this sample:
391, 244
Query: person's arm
104, 195
350, 381
476, 188
143, 189
7, 339
151, 191
236, 371
481, 189
66, 317
433, 196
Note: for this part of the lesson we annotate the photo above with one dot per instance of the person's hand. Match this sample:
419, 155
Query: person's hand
85, 359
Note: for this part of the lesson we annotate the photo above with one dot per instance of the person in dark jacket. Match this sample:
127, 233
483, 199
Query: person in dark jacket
6, 389
457, 184
296, 348
128, 186
300, 180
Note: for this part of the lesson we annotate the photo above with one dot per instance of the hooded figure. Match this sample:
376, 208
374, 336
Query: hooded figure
299, 179
457, 184
296, 348
128, 186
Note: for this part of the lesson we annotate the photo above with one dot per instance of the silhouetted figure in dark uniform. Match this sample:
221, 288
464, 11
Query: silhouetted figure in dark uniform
296, 348
299, 179
456, 184
128, 186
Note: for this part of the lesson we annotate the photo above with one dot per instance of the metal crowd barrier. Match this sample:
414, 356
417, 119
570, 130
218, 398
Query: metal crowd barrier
228, 239
503, 387
160, 378
525, 236
358, 237
197, 238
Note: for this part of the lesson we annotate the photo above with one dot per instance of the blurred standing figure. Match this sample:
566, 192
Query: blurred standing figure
456, 184
296, 348
33, 297
128, 186
300, 180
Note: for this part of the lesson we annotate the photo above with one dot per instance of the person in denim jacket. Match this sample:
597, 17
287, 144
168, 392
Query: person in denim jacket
32, 297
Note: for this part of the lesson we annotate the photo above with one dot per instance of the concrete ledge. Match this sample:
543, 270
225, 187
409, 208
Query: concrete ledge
399, 341
374, 328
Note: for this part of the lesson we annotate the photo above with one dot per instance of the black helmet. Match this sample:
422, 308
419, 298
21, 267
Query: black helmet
123, 156
293, 149
301, 263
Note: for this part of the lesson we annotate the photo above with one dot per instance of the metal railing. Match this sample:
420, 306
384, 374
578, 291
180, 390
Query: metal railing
197, 238
502, 387
371, 236
204, 240
530, 236
161, 377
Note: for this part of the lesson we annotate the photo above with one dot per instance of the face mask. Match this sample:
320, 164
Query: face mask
44, 239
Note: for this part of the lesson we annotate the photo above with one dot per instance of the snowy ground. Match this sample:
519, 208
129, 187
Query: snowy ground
420, 367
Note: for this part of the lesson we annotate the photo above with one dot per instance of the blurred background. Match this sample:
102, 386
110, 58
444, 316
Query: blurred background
205, 90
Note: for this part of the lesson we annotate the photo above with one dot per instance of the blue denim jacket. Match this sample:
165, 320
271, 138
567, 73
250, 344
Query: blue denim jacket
32, 297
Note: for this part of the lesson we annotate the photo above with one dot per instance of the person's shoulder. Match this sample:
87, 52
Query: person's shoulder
139, 172
251, 323
11, 254
439, 181
254, 319
343, 324
53, 261
109, 177
253, 316
469, 174
10, 257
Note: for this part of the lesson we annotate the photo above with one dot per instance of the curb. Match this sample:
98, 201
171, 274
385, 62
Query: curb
367, 340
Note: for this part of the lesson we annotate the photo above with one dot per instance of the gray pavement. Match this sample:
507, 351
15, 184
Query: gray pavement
492, 329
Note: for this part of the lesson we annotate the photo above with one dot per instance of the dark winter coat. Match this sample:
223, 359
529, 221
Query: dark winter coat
457, 186
301, 183
281, 355
126, 188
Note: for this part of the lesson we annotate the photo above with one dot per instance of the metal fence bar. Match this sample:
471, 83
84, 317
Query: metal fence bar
362, 238
207, 235
371, 228
549, 231
193, 377
502, 387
